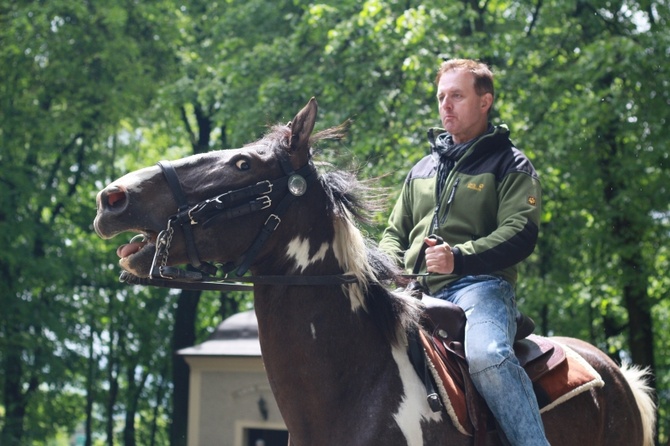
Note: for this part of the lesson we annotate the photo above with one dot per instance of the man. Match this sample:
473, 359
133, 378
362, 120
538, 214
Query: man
482, 196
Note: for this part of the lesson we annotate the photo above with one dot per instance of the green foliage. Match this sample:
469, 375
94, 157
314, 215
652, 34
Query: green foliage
71, 72
91, 91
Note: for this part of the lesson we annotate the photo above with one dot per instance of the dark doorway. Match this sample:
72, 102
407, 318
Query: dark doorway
266, 437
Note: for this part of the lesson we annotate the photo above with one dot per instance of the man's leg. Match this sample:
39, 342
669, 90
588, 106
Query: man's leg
491, 310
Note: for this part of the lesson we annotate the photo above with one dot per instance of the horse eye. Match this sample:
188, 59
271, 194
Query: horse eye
243, 165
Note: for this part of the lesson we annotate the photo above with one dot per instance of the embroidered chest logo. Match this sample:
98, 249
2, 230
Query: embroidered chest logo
477, 187
532, 200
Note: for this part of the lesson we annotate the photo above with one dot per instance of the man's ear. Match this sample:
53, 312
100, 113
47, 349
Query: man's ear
486, 101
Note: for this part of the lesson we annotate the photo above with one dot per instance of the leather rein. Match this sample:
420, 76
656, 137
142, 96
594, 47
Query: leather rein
201, 275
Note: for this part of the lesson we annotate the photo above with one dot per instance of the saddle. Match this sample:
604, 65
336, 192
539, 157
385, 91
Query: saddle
444, 358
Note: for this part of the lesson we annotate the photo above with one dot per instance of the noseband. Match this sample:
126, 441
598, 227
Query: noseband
229, 205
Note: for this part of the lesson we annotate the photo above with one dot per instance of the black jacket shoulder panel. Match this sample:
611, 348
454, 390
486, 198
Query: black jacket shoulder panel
497, 156
425, 168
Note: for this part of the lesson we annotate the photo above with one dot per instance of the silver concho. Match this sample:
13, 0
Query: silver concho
297, 185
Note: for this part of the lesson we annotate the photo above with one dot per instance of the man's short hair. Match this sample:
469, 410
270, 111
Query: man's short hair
481, 72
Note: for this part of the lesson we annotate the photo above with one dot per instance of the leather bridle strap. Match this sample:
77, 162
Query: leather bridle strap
292, 185
226, 205
182, 209
306, 172
241, 283
268, 228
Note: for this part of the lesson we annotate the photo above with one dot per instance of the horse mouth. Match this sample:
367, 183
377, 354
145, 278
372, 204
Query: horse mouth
135, 254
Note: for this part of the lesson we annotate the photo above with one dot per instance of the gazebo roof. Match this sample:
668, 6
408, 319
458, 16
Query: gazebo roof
235, 336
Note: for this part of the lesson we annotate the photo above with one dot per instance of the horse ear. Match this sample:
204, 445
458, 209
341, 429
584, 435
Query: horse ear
302, 126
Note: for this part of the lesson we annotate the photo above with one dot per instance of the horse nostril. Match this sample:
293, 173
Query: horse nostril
115, 197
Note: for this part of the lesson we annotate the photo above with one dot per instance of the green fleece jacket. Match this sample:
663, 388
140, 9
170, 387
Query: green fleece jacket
488, 212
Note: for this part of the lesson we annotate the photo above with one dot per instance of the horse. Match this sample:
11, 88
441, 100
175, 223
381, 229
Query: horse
332, 327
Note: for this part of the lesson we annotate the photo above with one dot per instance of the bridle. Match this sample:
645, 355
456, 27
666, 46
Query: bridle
229, 205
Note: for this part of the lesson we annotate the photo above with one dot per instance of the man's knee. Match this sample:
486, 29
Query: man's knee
486, 347
481, 362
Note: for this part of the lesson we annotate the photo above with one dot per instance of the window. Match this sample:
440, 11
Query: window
260, 433
266, 437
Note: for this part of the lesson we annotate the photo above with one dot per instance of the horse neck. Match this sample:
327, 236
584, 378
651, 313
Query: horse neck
329, 325
315, 243
317, 349
334, 372
331, 249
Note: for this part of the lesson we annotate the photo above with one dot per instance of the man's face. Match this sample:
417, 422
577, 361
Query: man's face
462, 111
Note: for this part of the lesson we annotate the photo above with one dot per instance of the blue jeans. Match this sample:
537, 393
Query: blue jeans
490, 307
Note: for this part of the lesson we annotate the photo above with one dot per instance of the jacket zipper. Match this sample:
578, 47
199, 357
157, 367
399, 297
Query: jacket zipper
452, 194
450, 200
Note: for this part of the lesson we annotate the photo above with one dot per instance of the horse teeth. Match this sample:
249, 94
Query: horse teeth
139, 238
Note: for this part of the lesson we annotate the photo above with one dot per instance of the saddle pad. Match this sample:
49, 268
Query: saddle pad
452, 395
570, 378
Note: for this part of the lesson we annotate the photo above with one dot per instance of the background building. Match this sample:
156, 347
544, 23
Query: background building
230, 402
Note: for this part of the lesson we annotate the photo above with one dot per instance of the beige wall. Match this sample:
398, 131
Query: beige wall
224, 394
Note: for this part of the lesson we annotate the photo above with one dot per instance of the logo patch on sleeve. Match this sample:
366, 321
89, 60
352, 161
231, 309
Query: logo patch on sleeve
532, 201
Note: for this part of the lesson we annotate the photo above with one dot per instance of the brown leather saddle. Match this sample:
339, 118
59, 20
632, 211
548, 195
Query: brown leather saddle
442, 340
446, 322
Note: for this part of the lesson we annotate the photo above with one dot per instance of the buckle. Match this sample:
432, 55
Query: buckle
268, 183
266, 201
276, 223
190, 214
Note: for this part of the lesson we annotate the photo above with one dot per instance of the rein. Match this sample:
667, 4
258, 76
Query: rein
232, 204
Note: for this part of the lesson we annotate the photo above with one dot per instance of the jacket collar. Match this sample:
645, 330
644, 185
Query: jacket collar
493, 131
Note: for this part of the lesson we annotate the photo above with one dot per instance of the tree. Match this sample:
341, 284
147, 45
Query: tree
56, 110
591, 97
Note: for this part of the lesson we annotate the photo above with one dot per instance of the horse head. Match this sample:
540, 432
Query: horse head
233, 192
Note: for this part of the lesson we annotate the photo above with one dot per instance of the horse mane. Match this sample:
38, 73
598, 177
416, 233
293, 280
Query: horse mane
353, 202
394, 313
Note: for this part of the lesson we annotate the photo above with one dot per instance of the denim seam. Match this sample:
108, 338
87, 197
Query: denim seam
496, 366
532, 399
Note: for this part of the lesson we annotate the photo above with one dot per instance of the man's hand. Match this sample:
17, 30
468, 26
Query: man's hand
439, 258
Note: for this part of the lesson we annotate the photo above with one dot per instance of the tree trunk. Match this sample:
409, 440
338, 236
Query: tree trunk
14, 399
626, 231
90, 397
185, 315
132, 403
112, 377
160, 393
182, 337
636, 298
